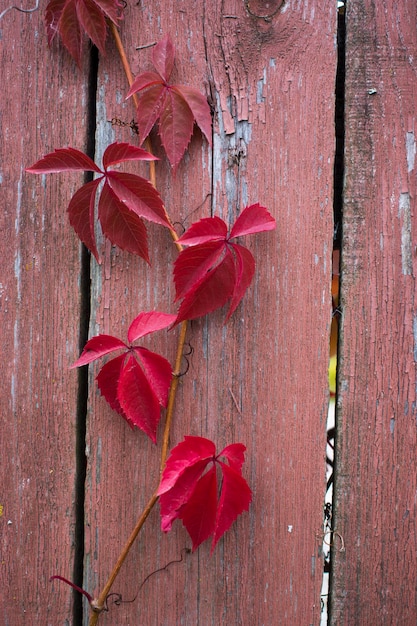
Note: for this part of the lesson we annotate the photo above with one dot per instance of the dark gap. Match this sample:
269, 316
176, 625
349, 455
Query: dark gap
338, 233
82, 400
339, 130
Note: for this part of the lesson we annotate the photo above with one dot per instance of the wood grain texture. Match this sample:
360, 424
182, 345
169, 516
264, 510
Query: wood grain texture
262, 378
375, 513
42, 107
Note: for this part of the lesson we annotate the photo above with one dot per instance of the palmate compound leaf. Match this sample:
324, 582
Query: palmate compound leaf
125, 200
213, 270
135, 383
177, 107
71, 19
189, 493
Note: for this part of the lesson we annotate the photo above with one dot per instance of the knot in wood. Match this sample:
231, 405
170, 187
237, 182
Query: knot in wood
267, 17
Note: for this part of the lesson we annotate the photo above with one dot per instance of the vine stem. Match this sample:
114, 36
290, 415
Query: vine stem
98, 604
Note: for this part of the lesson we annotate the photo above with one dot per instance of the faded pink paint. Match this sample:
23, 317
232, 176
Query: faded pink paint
376, 482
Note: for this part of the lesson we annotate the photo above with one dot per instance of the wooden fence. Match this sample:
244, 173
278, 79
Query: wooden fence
270, 72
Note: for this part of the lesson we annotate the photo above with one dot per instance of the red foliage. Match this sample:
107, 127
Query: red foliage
213, 270
176, 107
135, 383
72, 18
124, 200
189, 493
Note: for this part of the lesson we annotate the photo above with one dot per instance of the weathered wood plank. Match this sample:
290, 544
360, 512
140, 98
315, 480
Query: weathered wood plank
375, 512
262, 379
42, 107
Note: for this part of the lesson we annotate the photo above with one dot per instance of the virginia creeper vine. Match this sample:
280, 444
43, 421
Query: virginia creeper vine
211, 270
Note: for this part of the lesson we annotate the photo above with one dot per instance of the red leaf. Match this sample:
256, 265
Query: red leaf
189, 494
192, 265
108, 383
119, 152
183, 456
134, 390
199, 108
81, 214
64, 160
163, 56
111, 8
70, 31
97, 347
172, 501
211, 293
186, 463
148, 322
199, 513
235, 497
138, 195
93, 22
205, 282
176, 106
52, 14
235, 454
253, 219
176, 123
124, 200
206, 229
150, 105
158, 372
245, 269
137, 399
144, 81
70, 17
122, 226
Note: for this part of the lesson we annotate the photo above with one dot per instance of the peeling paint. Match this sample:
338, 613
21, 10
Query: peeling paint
404, 214
230, 148
410, 144
237, 149
260, 98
